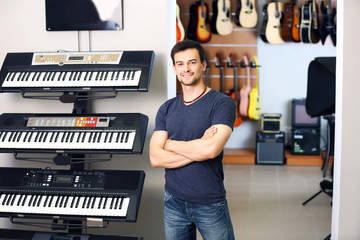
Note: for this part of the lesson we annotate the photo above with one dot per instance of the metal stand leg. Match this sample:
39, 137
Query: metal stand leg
312, 198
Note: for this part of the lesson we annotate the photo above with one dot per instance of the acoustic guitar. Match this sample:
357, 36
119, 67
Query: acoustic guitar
327, 25
254, 102
246, 15
295, 27
180, 31
221, 20
309, 32
235, 93
246, 89
287, 22
203, 33
273, 27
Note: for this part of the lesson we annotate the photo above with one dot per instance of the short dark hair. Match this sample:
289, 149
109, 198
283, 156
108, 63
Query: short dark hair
187, 44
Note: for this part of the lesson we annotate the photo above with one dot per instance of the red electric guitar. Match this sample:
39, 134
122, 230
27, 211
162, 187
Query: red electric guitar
235, 93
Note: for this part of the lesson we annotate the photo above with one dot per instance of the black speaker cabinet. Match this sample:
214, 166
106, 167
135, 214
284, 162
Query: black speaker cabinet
300, 118
305, 141
270, 148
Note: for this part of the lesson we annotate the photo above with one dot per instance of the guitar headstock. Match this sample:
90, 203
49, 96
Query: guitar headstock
231, 61
218, 62
244, 62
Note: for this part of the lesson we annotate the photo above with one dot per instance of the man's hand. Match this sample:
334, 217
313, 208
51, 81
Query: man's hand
211, 131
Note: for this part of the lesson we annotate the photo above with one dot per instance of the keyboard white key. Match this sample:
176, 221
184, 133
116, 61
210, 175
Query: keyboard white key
72, 79
67, 140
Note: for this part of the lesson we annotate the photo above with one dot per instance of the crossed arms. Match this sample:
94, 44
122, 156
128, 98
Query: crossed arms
168, 153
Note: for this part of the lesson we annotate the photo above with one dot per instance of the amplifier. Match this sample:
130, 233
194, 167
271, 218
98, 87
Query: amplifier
300, 118
271, 122
270, 148
305, 141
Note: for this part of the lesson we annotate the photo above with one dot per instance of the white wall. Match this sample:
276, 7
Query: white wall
146, 27
346, 208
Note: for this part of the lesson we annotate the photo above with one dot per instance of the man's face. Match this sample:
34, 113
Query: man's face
188, 67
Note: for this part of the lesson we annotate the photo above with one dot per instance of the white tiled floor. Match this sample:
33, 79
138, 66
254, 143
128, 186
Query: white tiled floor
266, 202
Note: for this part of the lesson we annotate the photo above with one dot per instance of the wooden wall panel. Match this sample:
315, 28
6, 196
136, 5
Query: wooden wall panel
241, 41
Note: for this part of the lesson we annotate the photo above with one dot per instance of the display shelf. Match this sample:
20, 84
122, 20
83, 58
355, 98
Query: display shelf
248, 155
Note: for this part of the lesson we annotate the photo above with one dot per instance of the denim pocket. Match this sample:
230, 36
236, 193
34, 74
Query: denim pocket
167, 196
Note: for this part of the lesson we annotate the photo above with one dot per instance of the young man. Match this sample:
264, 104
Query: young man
190, 134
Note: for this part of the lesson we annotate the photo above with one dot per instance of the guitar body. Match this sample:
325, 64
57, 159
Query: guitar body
245, 91
254, 97
295, 28
224, 25
192, 26
202, 32
327, 25
248, 16
308, 32
180, 31
273, 27
287, 22
264, 23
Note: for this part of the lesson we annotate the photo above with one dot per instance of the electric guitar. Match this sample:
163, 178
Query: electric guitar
246, 89
287, 22
235, 92
264, 23
309, 23
327, 25
246, 15
207, 73
219, 65
295, 27
221, 20
273, 27
254, 104
203, 34
180, 31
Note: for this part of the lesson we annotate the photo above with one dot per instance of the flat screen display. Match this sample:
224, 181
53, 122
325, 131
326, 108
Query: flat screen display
77, 15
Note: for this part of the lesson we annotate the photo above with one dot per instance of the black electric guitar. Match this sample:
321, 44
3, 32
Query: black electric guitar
309, 28
265, 19
327, 25
218, 64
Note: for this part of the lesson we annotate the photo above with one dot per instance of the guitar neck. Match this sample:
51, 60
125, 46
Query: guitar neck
315, 17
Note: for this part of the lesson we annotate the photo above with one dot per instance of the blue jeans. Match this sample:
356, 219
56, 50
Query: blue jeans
182, 218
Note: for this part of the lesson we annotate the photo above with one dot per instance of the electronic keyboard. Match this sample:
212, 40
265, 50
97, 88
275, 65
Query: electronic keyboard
12, 234
106, 195
77, 71
67, 133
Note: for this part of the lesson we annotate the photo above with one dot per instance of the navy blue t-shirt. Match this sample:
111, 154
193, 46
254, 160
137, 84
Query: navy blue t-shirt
203, 181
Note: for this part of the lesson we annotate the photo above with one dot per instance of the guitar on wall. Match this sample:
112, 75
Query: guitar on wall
295, 27
255, 104
218, 64
264, 23
246, 89
309, 32
287, 22
203, 33
273, 27
327, 26
235, 93
221, 20
246, 15
180, 31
